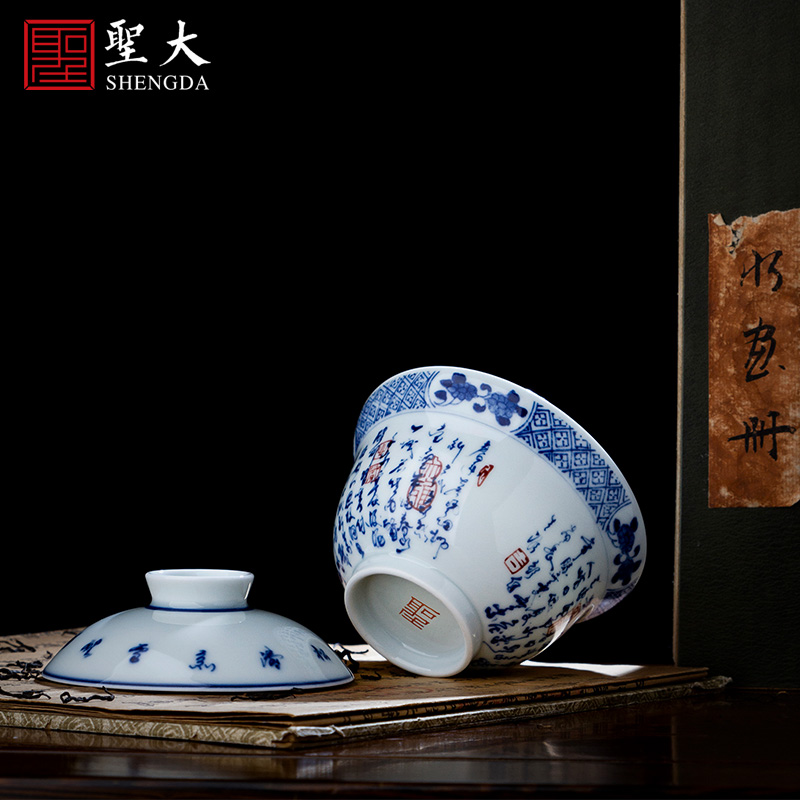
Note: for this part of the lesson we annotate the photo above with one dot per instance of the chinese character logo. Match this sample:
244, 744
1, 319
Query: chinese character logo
59, 54
180, 45
121, 39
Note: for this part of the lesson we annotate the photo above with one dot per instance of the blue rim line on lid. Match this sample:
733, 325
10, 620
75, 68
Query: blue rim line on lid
263, 686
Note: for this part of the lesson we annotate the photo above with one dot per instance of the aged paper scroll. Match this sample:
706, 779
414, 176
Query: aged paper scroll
754, 360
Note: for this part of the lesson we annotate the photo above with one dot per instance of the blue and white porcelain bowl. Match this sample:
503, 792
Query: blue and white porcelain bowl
198, 635
478, 523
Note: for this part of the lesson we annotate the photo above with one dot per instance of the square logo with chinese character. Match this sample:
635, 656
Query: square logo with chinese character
59, 54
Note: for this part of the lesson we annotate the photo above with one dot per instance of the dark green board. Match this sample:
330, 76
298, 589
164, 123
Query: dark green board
738, 609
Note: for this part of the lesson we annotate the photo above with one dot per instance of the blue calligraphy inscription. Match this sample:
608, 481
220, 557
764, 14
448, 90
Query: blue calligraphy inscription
137, 652
401, 495
87, 648
200, 661
524, 625
478, 456
269, 658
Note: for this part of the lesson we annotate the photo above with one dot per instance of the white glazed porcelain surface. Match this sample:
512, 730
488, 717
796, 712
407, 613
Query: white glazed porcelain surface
197, 635
479, 523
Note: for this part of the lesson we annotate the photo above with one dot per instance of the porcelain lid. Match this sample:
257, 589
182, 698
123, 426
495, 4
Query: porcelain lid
198, 635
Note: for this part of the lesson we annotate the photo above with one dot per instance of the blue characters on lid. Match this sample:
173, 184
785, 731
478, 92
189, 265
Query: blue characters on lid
87, 648
137, 652
270, 659
201, 663
320, 653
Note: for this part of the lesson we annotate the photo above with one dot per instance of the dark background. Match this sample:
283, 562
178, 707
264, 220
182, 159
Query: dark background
221, 279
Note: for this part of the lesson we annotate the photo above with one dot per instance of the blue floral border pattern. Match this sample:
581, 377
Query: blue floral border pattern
542, 431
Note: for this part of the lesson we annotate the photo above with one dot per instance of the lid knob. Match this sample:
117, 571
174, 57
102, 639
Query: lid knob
199, 589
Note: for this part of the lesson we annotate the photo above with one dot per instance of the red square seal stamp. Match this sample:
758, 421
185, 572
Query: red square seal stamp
418, 614
59, 54
516, 561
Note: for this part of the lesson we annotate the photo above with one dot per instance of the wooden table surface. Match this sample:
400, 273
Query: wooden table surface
733, 744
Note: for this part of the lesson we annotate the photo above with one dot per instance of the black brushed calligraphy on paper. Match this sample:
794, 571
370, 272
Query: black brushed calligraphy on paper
758, 260
756, 432
762, 343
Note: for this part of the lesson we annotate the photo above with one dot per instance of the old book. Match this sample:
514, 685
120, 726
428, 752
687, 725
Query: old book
382, 700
